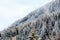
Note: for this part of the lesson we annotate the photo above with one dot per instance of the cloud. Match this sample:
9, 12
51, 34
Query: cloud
35, 3
8, 3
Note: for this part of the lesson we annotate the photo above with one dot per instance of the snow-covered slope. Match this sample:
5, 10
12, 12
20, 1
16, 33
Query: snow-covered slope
51, 7
45, 21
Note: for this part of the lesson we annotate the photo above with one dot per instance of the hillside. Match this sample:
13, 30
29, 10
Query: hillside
44, 21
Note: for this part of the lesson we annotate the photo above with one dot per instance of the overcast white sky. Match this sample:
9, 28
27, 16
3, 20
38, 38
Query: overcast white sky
12, 10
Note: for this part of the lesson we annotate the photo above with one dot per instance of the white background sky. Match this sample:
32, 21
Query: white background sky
12, 10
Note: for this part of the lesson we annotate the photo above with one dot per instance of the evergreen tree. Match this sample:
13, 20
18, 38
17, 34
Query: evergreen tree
33, 35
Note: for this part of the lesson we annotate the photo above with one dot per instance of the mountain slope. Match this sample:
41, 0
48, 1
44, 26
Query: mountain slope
54, 6
45, 21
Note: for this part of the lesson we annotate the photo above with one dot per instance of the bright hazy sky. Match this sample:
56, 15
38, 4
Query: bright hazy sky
12, 10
